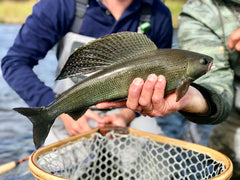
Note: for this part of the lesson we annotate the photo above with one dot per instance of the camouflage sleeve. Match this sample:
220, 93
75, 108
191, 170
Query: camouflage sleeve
195, 34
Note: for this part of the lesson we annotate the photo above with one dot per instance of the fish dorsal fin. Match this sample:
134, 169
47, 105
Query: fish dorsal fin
105, 51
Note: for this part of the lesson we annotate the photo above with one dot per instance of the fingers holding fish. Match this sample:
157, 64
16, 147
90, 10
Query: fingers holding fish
193, 101
152, 101
134, 94
148, 98
158, 96
159, 92
145, 99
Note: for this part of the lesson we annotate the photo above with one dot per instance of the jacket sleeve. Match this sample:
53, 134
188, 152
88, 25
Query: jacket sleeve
48, 22
197, 34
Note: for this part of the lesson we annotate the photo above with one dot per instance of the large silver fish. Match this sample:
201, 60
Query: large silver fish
118, 58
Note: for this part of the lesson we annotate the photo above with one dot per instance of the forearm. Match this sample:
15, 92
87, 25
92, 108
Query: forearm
216, 85
49, 21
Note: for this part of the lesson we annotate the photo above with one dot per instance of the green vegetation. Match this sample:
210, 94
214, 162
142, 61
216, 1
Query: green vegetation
175, 7
16, 11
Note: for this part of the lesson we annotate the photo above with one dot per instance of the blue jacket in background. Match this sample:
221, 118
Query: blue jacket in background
51, 20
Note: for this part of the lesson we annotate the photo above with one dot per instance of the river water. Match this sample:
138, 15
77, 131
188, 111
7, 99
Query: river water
16, 130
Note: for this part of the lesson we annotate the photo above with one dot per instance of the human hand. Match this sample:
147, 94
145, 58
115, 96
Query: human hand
121, 119
234, 40
148, 98
81, 125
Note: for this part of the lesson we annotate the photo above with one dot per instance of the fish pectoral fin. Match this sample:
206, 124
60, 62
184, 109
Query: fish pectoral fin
182, 89
77, 113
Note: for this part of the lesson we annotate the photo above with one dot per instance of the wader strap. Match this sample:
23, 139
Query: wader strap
145, 19
81, 8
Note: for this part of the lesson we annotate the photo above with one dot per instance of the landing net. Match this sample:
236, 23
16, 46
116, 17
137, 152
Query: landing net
128, 156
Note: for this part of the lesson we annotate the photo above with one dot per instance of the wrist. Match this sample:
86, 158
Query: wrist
195, 102
128, 115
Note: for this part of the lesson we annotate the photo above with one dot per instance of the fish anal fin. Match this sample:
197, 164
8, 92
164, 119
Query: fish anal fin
182, 89
77, 113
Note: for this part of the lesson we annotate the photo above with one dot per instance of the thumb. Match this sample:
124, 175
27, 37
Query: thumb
110, 104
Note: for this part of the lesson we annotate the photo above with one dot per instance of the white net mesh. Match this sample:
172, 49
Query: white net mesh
120, 157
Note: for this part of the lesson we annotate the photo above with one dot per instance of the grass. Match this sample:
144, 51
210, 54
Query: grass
175, 7
15, 12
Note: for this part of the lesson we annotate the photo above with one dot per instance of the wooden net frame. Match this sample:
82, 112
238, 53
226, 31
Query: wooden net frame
217, 156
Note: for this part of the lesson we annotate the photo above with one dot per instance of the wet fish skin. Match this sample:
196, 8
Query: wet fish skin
180, 67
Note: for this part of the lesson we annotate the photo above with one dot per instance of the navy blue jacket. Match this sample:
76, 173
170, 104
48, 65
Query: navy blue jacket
51, 19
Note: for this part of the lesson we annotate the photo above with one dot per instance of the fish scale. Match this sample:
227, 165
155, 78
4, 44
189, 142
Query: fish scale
119, 58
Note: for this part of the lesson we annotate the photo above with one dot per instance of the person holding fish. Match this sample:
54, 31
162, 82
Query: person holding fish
211, 27
51, 20
215, 30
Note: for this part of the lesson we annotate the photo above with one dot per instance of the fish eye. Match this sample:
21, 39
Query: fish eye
203, 61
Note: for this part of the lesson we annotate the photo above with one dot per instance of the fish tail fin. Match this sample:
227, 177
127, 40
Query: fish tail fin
41, 121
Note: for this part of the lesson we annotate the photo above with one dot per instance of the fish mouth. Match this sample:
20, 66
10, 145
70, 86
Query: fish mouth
210, 65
